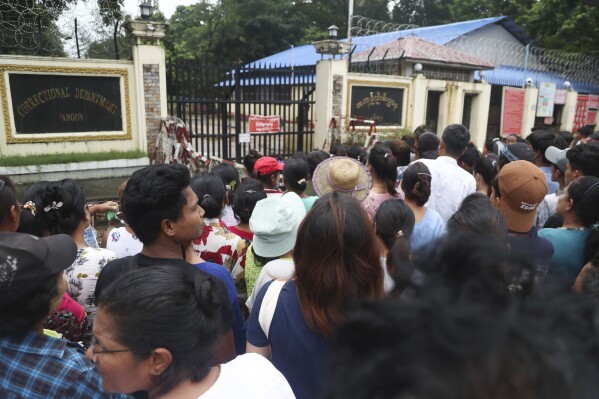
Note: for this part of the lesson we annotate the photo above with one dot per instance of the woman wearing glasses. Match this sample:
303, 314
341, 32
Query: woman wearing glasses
156, 331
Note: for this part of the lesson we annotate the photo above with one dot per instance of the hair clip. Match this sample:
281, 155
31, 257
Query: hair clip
206, 196
301, 181
387, 155
399, 234
250, 191
231, 185
426, 174
31, 206
54, 205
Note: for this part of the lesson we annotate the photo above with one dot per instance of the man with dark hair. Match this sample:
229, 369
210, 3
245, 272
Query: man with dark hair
540, 140
427, 146
583, 134
401, 151
583, 160
469, 158
10, 211
163, 210
511, 139
488, 146
33, 362
450, 183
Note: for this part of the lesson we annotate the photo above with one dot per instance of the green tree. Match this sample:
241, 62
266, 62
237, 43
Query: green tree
571, 25
188, 36
29, 27
421, 12
320, 14
252, 29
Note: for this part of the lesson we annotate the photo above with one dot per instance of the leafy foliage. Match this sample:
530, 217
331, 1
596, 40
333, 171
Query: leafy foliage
571, 25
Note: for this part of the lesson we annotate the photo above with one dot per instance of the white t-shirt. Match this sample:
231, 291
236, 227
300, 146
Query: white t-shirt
249, 376
552, 201
450, 184
123, 243
276, 269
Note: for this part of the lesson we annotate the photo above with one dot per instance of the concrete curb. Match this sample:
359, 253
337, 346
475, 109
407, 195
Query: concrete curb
74, 170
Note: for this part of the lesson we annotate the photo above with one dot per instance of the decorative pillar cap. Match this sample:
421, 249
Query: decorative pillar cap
154, 31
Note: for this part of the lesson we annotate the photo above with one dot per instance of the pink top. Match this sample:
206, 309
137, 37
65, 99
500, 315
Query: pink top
68, 304
374, 200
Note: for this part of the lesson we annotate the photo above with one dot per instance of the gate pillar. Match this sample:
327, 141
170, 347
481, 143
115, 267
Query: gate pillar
331, 92
150, 74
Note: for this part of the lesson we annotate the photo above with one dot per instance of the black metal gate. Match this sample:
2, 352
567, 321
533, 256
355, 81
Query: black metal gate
215, 102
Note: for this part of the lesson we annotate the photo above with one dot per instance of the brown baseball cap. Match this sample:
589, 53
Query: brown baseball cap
522, 187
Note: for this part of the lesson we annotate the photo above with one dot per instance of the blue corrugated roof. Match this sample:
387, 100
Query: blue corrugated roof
510, 76
440, 34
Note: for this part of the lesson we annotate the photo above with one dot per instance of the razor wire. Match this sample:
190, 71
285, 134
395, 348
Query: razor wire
385, 57
72, 29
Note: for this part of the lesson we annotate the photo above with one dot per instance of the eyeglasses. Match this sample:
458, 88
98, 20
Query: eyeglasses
99, 352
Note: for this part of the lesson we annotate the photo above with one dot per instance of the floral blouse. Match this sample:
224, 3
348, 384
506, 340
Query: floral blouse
219, 245
81, 279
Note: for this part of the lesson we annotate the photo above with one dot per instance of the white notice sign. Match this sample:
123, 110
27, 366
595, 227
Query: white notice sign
546, 99
244, 137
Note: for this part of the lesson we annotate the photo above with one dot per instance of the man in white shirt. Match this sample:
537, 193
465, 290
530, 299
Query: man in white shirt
450, 184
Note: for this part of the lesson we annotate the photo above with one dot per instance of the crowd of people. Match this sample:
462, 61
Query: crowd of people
421, 268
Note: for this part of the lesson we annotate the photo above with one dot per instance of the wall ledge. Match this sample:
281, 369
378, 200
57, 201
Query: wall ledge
74, 170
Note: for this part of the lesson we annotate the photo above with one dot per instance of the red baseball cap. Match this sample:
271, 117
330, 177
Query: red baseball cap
267, 165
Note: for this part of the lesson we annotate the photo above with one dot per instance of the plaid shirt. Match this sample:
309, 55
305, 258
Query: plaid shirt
38, 366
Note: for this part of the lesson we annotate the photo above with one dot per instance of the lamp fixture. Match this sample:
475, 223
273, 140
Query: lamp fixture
145, 10
333, 30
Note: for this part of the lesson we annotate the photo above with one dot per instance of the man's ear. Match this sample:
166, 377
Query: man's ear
160, 360
14, 216
167, 227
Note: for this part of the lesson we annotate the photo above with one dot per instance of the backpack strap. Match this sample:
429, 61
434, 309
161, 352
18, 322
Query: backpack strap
269, 304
